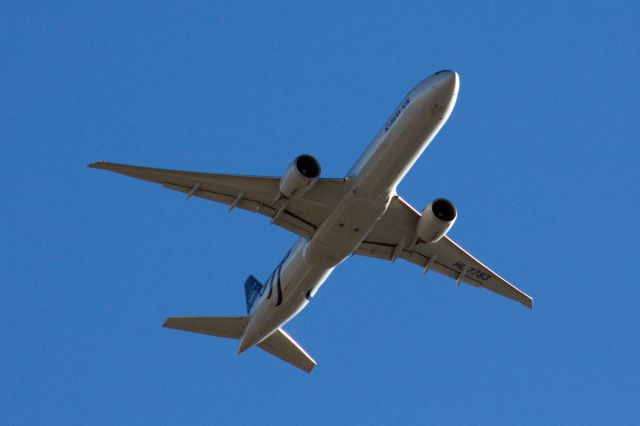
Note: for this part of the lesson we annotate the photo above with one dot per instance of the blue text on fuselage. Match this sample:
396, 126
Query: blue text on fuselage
396, 114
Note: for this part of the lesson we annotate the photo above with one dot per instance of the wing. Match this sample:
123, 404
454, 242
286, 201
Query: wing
253, 193
394, 236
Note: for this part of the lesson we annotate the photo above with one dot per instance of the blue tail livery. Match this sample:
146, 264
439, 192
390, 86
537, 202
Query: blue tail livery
252, 288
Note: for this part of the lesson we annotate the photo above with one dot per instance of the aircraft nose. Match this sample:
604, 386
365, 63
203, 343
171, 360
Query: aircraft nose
447, 80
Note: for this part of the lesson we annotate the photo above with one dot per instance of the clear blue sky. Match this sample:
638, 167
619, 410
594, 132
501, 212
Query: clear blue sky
540, 156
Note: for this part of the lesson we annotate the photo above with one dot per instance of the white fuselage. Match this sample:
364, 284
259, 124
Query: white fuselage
372, 182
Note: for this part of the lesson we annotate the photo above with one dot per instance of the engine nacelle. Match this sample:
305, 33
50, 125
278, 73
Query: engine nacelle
300, 176
436, 220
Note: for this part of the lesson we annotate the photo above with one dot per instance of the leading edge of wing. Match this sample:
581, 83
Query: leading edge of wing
158, 175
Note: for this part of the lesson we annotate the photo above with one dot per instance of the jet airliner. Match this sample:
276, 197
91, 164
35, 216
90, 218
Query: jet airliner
360, 214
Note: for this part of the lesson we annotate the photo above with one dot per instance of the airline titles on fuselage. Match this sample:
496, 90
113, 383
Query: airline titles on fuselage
396, 114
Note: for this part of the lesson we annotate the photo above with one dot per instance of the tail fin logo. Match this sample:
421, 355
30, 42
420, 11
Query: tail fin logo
252, 289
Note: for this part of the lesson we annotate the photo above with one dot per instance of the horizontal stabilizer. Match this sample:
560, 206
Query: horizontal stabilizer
279, 343
284, 347
231, 327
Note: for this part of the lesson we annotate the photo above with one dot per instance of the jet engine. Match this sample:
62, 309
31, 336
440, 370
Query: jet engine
436, 220
300, 176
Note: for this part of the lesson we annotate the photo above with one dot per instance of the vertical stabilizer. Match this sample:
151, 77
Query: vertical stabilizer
252, 288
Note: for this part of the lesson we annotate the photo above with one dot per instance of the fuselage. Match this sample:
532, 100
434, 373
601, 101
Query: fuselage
372, 182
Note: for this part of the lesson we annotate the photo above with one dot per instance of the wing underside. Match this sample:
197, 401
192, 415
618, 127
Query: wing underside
394, 237
258, 194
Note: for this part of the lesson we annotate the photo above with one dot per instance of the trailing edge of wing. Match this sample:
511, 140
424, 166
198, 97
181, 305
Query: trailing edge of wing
253, 193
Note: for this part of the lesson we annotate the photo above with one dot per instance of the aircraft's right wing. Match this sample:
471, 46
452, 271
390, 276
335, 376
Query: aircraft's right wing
253, 193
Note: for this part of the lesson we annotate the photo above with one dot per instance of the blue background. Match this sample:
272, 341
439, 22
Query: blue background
540, 157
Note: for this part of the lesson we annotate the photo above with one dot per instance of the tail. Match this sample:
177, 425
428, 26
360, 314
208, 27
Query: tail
252, 288
279, 343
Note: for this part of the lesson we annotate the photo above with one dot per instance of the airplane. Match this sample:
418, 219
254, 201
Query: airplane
360, 214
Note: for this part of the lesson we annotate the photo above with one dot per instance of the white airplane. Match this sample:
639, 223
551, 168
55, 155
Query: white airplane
335, 218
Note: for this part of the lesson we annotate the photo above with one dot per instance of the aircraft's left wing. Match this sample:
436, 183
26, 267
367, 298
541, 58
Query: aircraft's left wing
253, 193
394, 236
